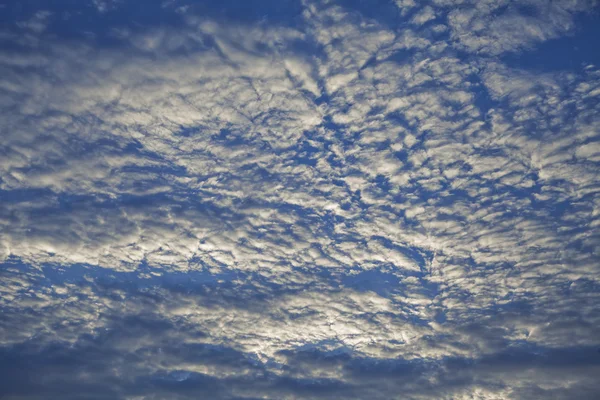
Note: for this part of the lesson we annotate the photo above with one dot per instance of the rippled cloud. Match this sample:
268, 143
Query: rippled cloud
318, 199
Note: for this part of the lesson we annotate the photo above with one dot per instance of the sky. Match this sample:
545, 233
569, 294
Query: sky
299, 199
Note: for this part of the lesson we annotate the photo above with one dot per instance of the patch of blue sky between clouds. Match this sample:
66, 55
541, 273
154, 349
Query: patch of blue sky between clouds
299, 199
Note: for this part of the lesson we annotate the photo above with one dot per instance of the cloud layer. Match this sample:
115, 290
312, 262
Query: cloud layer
349, 205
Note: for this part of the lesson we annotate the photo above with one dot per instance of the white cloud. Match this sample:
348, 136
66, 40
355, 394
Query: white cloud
424, 15
495, 27
366, 158
37, 23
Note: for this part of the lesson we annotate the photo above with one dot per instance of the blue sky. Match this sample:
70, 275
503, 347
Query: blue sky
304, 199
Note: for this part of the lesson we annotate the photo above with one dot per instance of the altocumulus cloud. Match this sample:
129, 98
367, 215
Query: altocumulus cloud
299, 200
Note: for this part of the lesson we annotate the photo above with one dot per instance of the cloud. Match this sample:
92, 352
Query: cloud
424, 15
334, 208
493, 27
105, 5
144, 339
37, 23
